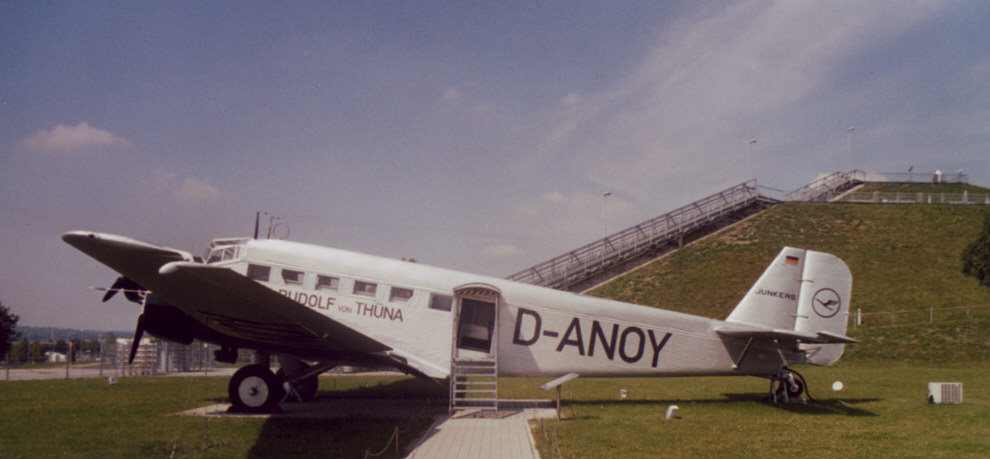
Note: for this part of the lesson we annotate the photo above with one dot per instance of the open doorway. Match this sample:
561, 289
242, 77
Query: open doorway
476, 325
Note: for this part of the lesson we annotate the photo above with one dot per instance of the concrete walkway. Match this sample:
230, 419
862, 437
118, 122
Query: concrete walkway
469, 433
485, 434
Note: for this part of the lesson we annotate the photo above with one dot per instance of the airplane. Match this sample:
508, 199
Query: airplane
316, 307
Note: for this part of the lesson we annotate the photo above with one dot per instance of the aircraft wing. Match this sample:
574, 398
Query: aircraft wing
239, 307
235, 305
746, 331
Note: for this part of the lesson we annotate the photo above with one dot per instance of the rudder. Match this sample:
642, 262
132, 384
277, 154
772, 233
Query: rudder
804, 291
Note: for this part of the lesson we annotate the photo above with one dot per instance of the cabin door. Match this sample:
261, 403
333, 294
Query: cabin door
474, 353
476, 321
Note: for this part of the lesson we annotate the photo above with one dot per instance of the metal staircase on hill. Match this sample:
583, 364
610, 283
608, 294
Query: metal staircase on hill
828, 187
583, 267
586, 266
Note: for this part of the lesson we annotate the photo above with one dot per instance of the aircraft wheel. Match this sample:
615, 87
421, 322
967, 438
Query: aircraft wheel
306, 388
795, 393
783, 385
254, 389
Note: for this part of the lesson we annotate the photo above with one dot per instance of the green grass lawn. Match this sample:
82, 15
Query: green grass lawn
881, 412
135, 418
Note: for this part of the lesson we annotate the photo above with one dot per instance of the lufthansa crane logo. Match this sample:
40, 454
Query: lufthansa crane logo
826, 303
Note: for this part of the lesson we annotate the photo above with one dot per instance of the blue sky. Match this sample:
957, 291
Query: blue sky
476, 137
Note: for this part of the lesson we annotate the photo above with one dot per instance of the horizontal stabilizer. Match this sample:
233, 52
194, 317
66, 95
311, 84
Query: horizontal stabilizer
821, 337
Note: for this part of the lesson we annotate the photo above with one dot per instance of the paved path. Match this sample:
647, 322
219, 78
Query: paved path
480, 434
474, 434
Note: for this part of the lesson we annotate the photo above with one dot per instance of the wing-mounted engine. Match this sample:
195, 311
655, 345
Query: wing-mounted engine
166, 322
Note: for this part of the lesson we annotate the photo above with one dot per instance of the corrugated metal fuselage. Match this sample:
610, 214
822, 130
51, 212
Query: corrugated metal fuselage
540, 332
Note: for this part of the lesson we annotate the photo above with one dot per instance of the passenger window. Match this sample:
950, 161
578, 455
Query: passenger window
259, 272
292, 277
441, 302
327, 283
399, 294
365, 288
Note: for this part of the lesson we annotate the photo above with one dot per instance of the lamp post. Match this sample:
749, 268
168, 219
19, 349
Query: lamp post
849, 159
752, 170
605, 196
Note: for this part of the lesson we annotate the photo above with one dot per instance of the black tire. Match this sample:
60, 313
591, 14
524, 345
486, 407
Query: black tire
782, 385
254, 389
798, 392
306, 388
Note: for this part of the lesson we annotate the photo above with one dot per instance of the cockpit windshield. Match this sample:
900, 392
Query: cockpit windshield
224, 250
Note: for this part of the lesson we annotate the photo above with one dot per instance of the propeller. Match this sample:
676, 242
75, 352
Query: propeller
132, 290
138, 332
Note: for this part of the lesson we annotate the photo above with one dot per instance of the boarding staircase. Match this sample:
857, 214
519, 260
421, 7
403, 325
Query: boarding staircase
474, 384
474, 348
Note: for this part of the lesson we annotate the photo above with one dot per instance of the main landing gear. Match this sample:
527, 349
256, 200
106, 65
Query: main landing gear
784, 388
255, 389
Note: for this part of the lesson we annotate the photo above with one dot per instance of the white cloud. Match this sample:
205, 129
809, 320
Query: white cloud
578, 213
450, 96
503, 251
682, 119
74, 138
195, 190
190, 189
572, 99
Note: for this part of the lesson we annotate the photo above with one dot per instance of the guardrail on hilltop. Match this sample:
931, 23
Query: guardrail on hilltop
632, 242
964, 198
911, 177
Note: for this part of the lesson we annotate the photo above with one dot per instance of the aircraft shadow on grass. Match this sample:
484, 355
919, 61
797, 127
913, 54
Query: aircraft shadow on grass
350, 435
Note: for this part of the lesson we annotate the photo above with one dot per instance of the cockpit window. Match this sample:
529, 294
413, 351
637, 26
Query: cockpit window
225, 249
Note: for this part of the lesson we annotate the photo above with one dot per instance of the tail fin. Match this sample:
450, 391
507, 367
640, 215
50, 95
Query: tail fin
807, 292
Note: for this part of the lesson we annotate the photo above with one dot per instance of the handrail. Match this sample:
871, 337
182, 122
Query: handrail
636, 239
824, 188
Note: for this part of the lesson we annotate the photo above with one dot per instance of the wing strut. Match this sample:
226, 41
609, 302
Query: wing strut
749, 342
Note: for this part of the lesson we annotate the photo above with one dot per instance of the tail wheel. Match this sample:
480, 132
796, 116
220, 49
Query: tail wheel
784, 385
254, 389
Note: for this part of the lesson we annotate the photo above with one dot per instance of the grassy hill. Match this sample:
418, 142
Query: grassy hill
902, 257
